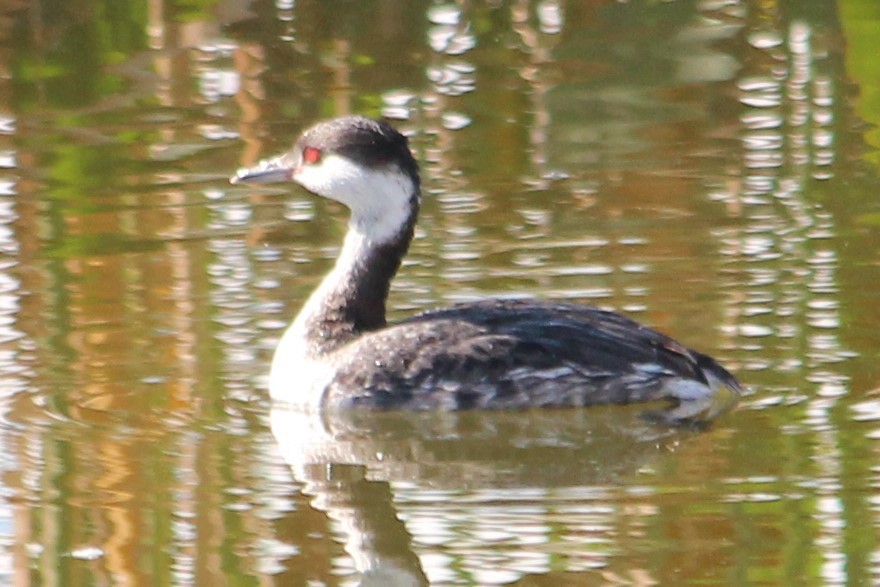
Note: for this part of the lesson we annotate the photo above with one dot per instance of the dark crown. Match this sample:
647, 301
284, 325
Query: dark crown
371, 143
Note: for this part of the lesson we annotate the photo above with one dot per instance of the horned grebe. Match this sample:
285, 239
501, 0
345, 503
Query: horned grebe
340, 352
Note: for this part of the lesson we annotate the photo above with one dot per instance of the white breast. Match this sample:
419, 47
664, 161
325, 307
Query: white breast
296, 378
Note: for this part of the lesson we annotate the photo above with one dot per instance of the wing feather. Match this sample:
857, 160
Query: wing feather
516, 354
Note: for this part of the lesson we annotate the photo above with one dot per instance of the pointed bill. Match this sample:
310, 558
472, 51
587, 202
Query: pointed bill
266, 171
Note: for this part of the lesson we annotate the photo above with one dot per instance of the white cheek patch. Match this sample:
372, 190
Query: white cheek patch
330, 177
379, 200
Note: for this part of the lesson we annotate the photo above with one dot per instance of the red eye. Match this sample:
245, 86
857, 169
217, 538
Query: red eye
311, 155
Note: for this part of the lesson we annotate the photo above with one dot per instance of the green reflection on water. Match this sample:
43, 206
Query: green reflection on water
860, 21
62, 51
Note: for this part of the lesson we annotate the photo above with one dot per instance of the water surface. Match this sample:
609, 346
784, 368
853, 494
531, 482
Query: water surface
709, 168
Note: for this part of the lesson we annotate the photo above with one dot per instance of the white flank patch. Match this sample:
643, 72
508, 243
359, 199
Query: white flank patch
687, 389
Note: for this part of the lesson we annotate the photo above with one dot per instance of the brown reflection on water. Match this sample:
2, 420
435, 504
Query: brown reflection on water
693, 165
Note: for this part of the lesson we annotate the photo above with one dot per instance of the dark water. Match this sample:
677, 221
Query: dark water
710, 168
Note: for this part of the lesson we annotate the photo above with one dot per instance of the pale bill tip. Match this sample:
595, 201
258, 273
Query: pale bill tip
268, 171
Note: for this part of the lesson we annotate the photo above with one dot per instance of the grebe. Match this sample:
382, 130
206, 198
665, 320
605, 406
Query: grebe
340, 352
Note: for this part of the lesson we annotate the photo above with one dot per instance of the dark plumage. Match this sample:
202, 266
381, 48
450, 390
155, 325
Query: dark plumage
516, 354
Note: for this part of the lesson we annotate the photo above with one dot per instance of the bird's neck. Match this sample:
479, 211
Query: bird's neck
351, 298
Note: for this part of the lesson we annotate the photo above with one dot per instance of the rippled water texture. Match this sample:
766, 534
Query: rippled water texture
707, 167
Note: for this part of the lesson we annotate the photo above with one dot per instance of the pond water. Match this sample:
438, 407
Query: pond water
707, 167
